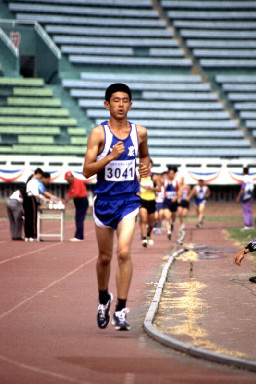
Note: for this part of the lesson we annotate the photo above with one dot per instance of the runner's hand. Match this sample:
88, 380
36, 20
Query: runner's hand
238, 257
143, 170
117, 150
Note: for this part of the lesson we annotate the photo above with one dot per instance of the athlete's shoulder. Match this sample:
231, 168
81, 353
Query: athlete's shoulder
97, 133
141, 129
142, 133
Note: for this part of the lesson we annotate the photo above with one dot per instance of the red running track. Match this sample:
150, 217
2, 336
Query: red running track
48, 329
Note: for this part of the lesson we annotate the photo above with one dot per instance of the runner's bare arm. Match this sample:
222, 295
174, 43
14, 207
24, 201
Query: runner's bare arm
193, 192
240, 255
207, 193
94, 146
143, 151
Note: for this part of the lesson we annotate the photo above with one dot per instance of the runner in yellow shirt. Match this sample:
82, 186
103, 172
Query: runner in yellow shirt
148, 187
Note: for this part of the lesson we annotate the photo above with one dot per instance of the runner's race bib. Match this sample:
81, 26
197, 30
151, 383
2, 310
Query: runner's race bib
120, 170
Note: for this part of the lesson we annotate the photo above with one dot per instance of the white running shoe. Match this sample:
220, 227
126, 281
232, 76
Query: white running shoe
150, 241
119, 320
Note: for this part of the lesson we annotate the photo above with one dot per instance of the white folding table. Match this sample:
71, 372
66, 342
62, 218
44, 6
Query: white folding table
46, 213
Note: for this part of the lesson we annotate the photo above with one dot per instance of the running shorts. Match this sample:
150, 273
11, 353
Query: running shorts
184, 204
171, 205
108, 212
149, 205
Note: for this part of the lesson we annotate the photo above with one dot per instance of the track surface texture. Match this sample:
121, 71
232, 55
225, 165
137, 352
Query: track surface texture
48, 305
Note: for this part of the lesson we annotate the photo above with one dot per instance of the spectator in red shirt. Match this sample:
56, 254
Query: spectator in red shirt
77, 191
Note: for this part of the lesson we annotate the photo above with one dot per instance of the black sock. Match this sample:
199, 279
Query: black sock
120, 304
104, 297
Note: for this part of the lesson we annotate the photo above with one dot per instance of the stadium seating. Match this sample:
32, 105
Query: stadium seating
32, 121
186, 115
240, 91
132, 34
181, 112
220, 34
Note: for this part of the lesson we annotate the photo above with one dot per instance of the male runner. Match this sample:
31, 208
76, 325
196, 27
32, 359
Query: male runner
111, 154
172, 193
201, 193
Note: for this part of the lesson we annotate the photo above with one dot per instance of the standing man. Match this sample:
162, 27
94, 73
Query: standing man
111, 154
245, 196
201, 193
14, 207
43, 182
30, 203
77, 191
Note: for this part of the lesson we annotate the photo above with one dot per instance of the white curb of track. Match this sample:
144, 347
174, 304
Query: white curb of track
178, 345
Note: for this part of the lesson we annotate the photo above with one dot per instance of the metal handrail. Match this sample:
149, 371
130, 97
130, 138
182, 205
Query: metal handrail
41, 32
9, 43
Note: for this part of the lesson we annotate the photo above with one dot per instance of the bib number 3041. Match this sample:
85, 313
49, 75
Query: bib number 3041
119, 170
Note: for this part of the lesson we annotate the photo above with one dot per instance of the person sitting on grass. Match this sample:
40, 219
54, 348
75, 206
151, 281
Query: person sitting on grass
250, 247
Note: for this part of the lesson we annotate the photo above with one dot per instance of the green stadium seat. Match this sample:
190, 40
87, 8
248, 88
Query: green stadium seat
78, 140
6, 149
32, 139
17, 130
56, 150
36, 92
59, 112
12, 82
34, 102
76, 131
40, 121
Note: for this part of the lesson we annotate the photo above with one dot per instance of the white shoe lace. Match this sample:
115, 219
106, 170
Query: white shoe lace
122, 314
102, 310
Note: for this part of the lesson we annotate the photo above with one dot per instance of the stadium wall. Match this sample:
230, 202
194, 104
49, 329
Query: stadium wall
223, 176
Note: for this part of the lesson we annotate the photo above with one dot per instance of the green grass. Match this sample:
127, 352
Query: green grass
243, 237
211, 219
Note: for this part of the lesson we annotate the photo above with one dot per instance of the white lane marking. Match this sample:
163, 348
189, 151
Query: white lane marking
42, 371
35, 251
4, 314
28, 253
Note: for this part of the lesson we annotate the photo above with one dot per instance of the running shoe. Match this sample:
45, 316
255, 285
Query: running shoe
119, 320
103, 313
150, 240
252, 279
144, 243
76, 240
169, 235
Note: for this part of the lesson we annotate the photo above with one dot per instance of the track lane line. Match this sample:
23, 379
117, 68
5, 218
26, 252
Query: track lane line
6, 313
35, 251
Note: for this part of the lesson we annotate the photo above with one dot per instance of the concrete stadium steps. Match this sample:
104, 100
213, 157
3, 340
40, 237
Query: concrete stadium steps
240, 91
144, 39
33, 120
220, 34
181, 112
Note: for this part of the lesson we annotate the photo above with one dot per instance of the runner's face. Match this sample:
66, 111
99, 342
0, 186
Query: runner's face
171, 174
118, 105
